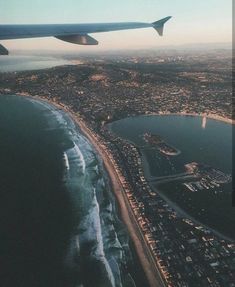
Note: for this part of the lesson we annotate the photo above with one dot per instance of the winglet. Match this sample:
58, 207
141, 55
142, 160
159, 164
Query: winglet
159, 25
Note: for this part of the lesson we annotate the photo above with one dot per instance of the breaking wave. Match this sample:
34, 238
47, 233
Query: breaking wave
95, 243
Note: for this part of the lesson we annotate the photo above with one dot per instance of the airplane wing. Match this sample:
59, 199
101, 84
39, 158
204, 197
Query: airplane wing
73, 33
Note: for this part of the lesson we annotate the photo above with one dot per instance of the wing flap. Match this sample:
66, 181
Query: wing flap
78, 39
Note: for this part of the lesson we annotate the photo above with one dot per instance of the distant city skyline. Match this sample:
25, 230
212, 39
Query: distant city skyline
193, 22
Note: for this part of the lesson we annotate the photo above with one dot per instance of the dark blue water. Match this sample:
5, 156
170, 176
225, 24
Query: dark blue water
208, 142
58, 218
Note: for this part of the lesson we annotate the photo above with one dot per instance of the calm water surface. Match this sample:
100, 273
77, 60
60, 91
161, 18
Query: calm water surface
204, 141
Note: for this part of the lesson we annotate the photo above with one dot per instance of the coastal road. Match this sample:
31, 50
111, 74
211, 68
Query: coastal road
145, 255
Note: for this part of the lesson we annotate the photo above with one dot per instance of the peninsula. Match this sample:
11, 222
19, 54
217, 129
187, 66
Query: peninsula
99, 91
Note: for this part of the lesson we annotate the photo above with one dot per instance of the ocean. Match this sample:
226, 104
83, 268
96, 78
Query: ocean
58, 218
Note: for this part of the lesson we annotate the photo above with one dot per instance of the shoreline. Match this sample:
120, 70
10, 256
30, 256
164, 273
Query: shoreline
177, 208
208, 116
180, 211
142, 250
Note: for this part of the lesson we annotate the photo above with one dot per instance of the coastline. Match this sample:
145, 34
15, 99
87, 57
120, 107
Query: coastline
142, 249
207, 115
180, 211
145, 256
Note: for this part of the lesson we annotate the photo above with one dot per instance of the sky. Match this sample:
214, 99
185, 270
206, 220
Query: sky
194, 21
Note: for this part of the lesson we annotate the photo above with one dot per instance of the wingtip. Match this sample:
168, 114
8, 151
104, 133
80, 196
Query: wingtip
162, 21
166, 19
159, 25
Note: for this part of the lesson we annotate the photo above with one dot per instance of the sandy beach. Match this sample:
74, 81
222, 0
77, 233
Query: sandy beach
142, 249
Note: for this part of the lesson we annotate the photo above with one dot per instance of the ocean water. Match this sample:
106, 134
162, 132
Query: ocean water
201, 140
58, 218
13, 63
